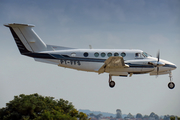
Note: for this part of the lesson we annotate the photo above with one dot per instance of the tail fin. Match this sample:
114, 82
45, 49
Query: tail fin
26, 39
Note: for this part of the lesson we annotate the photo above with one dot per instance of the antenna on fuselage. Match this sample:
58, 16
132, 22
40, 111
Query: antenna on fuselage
90, 47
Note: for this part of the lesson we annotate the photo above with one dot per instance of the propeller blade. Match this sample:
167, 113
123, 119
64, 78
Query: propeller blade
157, 71
158, 55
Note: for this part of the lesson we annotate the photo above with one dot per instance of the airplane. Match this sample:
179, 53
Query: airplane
116, 62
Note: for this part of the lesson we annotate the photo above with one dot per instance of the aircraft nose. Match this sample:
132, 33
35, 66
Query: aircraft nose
172, 66
168, 64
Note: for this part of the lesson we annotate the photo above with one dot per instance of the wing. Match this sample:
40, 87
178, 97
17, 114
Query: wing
113, 62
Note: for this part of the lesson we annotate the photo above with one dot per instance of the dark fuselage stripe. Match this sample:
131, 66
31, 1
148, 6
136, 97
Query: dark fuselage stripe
61, 57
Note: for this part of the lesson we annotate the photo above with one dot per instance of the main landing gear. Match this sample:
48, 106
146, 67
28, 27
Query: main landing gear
171, 85
111, 82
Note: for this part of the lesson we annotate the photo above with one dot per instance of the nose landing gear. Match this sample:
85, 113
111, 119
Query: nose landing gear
171, 85
111, 82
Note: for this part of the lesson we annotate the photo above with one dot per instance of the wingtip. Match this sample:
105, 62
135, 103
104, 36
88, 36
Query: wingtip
6, 25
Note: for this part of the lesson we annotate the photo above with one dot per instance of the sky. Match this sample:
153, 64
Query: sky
149, 25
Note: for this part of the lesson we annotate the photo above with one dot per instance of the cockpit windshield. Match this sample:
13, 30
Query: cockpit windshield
145, 54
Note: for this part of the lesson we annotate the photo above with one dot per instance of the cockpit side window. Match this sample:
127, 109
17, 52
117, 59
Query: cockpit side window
137, 55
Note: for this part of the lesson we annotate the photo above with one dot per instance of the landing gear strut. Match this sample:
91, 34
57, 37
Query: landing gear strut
171, 85
111, 82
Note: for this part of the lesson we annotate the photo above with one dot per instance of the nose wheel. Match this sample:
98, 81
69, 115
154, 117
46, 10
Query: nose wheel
171, 85
111, 82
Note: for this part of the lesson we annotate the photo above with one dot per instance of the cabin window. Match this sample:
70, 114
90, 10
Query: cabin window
109, 54
116, 54
96, 54
86, 54
123, 54
103, 54
73, 54
137, 55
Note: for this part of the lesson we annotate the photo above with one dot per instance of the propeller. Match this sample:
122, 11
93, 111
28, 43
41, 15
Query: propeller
158, 55
157, 63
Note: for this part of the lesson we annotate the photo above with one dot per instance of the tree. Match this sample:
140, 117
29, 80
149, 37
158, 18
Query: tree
118, 113
166, 117
129, 116
91, 114
37, 107
178, 118
153, 115
156, 117
95, 116
139, 115
172, 118
98, 116
145, 117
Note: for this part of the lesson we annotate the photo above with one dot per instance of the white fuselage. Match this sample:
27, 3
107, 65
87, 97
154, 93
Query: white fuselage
89, 60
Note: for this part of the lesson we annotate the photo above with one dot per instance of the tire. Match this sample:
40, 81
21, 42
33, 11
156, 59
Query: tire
171, 85
111, 84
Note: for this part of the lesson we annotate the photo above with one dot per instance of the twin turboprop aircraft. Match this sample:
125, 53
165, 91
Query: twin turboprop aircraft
116, 62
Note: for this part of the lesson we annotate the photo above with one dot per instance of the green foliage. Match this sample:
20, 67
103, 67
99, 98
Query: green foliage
178, 118
118, 113
153, 115
139, 115
172, 118
130, 116
37, 107
96, 116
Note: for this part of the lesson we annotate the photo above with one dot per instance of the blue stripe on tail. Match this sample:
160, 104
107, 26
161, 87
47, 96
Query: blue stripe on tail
19, 44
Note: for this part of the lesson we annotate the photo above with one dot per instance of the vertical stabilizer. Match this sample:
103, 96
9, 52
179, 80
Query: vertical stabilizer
26, 39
